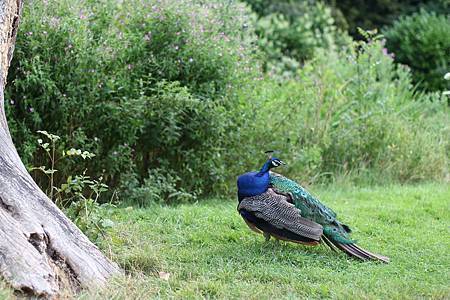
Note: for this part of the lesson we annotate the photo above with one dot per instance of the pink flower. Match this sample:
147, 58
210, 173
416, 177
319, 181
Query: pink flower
385, 52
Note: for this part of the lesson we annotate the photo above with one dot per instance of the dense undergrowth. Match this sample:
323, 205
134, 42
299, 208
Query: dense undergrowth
422, 42
355, 113
150, 88
172, 98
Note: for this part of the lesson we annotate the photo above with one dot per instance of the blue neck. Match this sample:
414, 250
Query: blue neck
265, 168
254, 183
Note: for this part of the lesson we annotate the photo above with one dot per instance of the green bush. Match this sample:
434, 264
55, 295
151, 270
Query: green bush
79, 194
144, 86
170, 98
354, 114
161, 185
422, 42
290, 32
374, 14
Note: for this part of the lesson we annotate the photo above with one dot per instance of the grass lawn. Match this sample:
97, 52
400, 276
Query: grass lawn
210, 253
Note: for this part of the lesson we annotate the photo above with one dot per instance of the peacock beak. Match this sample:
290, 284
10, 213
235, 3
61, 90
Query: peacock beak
282, 162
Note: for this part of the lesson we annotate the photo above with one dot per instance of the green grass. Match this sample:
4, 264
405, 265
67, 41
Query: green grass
210, 253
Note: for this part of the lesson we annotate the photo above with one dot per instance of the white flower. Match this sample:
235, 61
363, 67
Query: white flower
447, 76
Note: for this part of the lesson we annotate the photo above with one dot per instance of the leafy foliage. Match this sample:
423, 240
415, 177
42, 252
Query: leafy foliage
80, 194
170, 97
377, 14
161, 185
290, 32
91, 217
143, 91
422, 42
354, 113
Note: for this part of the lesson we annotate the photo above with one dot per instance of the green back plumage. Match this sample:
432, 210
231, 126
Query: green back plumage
312, 209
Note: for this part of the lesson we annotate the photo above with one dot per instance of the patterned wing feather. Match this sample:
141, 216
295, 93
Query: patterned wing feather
312, 209
277, 211
335, 233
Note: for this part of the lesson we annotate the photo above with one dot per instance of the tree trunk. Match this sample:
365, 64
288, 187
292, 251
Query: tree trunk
41, 251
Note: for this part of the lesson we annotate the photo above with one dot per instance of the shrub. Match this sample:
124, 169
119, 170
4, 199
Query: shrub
290, 32
78, 196
144, 86
422, 42
374, 14
169, 97
161, 185
354, 114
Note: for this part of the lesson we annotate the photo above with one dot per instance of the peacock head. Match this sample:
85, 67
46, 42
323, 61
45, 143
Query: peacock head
272, 162
275, 162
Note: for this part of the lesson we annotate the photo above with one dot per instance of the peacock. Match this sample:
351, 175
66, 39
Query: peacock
279, 207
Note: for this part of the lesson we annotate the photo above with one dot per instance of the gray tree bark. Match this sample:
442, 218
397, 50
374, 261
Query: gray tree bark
41, 251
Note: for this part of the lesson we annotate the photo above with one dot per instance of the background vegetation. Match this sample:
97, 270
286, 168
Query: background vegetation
378, 13
420, 41
175, 98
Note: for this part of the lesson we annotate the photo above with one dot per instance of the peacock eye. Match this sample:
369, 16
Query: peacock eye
275, 163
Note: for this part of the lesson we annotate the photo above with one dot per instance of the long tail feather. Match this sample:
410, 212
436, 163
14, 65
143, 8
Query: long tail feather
377, 256
329, 243
354, 250
349, 251
362, 253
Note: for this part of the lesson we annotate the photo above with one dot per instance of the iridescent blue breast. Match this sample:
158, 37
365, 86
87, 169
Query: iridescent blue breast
252, 184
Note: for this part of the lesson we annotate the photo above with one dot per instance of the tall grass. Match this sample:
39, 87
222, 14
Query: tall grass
354, 114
